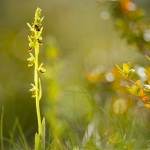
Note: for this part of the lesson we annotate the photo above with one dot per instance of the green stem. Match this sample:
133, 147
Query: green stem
36, 80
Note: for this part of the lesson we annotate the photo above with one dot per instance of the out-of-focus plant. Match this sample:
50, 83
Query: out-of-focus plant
110, 124
52, 113
34, 43
130, 20
112, 103
136, 88
117, 141
105, 84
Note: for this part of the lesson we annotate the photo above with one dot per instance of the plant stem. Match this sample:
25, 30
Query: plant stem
37, 89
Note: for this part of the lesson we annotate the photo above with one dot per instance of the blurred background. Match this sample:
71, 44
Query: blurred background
79, 38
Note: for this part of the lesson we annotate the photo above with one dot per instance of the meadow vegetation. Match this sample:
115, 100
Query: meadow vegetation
86, 103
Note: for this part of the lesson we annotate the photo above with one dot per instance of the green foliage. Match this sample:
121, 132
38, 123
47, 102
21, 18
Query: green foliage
130, 20
136, 88
116, 142
75, 148
126, 71
97, 112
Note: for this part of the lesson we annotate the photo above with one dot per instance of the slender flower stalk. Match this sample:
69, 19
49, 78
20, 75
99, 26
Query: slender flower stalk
36, 81
34, 43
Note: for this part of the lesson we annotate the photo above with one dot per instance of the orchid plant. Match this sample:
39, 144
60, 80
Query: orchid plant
35, 40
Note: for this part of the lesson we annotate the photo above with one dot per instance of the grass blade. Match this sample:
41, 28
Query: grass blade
37, 142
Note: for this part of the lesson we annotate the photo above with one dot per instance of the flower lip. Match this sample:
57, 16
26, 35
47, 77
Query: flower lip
30, 49
39, 41
41, 68
37, 28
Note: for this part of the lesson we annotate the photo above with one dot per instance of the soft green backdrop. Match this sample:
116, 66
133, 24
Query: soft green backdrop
78, 36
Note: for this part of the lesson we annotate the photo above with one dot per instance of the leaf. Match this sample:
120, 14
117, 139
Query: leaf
131, 73
126, 68
43, 134
37, 142
40, 90
126, 71
131, 144
121, 71
147, 105
123, 74
131, 90
138, 90
148, 57
135, 89
114, 139
23, 138
137, 83
119, 68
147, 72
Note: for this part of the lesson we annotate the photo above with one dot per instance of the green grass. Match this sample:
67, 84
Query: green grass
95, 114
